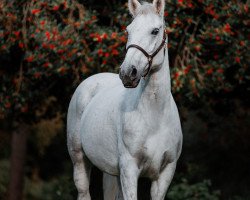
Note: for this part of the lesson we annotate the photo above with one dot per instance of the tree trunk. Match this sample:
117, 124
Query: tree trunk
18, 155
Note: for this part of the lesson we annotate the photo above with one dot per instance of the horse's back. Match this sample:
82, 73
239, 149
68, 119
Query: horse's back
93, 85
90, 87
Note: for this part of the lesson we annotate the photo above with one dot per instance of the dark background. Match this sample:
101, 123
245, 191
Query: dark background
34, 162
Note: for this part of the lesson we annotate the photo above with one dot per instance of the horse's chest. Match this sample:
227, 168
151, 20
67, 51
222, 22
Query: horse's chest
151, 141
154, 156
152, 150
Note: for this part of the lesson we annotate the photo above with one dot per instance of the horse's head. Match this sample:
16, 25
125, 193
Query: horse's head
145, 41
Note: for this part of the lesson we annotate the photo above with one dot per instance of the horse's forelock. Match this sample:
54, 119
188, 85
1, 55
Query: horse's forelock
146, 8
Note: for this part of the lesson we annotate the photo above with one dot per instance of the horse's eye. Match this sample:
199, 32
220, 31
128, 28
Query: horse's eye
155, 31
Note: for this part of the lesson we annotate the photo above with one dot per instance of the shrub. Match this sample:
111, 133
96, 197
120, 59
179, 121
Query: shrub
187, 191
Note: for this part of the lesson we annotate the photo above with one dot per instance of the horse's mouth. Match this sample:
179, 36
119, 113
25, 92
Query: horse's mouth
132, 84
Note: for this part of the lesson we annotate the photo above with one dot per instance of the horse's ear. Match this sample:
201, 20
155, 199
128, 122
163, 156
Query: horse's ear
160, 6
133, 6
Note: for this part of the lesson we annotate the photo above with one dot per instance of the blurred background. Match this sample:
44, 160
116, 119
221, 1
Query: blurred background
47, 47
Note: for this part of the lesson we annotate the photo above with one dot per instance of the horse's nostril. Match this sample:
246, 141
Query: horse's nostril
134, 71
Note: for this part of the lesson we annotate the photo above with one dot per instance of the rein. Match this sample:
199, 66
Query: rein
150, 57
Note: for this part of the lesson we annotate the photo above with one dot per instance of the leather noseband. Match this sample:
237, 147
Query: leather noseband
150, 57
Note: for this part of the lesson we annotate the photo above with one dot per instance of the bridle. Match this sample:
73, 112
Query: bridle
150, 57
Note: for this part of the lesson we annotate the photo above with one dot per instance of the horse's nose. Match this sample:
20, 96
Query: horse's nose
126, 80
129, 77
133, 72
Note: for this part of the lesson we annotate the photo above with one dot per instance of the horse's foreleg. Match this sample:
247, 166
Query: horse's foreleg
82, 169
129, 178
159, 187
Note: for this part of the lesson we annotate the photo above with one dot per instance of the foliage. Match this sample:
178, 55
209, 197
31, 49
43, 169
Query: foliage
53, 39
47, 47
209, 41
50, 40
47, 129
61, 188
187, 191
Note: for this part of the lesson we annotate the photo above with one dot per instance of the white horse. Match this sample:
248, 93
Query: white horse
128, 133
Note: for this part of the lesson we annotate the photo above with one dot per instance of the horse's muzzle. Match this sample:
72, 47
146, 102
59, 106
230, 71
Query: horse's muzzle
128, 81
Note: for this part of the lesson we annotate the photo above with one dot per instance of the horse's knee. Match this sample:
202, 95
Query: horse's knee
83, 189
76, 155
84, 195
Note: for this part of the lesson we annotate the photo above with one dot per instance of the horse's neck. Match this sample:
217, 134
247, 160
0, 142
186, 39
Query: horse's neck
156, 87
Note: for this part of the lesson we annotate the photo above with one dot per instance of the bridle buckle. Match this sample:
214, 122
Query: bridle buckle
150, 58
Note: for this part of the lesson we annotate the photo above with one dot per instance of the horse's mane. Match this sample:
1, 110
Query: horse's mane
146, 8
